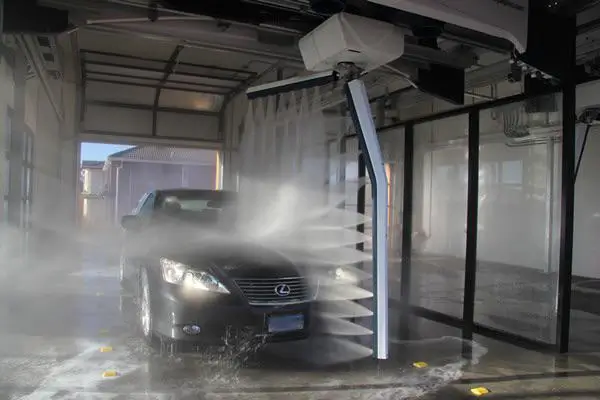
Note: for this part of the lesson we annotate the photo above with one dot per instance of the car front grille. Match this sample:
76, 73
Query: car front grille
274, 291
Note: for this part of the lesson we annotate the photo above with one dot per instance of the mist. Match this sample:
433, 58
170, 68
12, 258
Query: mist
293, 201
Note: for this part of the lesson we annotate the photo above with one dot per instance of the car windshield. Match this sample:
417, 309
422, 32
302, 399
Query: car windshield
196, 202
195, 205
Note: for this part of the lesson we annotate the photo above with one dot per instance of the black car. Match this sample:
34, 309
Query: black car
194, 285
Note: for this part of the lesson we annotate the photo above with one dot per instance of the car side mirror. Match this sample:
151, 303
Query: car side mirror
131, 222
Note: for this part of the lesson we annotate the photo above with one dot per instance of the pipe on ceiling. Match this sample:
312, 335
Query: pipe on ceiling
139, 19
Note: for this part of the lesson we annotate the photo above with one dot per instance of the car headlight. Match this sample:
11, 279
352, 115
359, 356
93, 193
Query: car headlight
181, 274
341, 275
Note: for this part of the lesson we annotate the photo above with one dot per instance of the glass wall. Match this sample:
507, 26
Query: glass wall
585, 305
518, 218
439, 215
392, 147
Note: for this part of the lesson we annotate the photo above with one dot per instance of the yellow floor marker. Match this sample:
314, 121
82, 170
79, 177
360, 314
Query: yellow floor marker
480, 391
109, 374
106, 349
420, 364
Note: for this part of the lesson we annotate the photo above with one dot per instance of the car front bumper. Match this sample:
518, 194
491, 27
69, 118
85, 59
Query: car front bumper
220, 318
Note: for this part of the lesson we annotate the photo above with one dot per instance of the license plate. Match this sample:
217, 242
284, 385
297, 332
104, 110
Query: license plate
285, 323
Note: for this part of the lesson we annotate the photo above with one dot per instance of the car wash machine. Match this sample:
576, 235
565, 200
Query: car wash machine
358, 36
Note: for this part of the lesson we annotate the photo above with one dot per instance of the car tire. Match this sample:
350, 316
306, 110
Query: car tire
145, 314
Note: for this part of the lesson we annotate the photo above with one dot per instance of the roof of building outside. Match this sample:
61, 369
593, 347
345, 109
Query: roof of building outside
92, 164
166, 154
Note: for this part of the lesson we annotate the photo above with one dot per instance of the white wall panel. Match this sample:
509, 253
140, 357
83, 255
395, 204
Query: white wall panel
119, 93
46, 157
117, 120
201, 127
7, 84
134, 122
190, 100
6, 101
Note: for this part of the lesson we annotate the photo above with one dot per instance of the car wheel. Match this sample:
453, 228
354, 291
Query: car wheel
145, 307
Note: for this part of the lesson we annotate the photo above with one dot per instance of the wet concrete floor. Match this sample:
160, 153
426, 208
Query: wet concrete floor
56, 321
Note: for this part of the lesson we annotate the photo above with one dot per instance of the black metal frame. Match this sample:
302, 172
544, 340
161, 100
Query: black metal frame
407, 212
569, 119
472, 216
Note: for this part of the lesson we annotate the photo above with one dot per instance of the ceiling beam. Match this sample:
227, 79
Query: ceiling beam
156, 79
156, 60
148, 107
169, 68
159, 70
154, 86
99, 136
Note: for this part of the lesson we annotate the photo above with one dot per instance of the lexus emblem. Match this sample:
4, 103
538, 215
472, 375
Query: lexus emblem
282, 290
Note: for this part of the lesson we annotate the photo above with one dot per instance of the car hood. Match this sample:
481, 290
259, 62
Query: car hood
237, 261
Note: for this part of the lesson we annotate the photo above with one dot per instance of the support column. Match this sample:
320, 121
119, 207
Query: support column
472, 223
407, 216
567, 189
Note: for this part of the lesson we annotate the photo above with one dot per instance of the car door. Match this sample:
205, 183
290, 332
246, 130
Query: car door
133, 240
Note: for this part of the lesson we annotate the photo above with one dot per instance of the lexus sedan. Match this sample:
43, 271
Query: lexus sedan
192, 285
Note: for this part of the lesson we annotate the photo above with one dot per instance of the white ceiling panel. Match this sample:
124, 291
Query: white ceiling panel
108, 71
119, 93
190, 101
188, 126
119, 122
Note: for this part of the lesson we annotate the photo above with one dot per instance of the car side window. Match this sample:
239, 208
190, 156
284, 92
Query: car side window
147, 208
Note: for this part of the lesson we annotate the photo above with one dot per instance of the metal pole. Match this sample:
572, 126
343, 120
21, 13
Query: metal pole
472, 222
116, 207
407, 216
360, 111
565, 271
549, 204
361, 195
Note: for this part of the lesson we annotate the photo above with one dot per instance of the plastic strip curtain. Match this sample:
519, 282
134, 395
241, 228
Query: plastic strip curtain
291, 200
